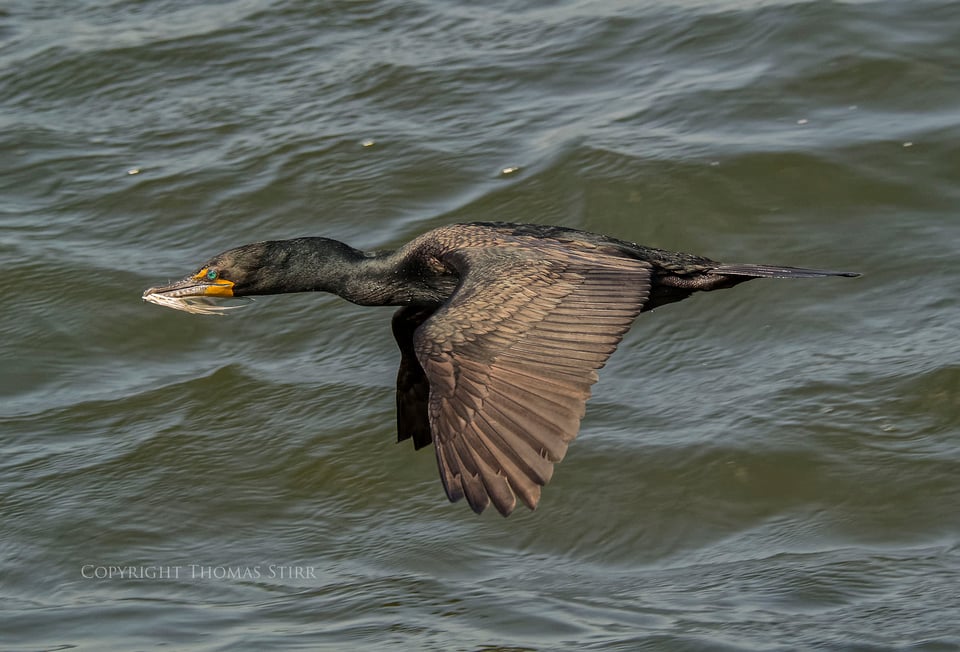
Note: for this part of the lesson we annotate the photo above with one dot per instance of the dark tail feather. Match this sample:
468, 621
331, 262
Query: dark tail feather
773, 271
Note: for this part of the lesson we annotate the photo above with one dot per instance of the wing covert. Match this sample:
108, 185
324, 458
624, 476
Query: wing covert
510, 360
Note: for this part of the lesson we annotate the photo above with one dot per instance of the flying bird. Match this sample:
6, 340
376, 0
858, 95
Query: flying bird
501, 328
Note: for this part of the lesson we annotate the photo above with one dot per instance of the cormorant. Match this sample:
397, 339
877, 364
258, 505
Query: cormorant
502, 328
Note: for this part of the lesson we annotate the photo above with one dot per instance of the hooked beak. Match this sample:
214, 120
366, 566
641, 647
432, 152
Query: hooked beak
185, 293
193, 286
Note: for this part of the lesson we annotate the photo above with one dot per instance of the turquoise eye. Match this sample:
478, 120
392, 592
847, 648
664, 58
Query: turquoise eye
212, 275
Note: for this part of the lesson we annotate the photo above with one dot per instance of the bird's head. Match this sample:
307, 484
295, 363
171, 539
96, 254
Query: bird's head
269, 267
239, 272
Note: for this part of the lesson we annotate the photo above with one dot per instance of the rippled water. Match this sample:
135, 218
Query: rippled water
773, 467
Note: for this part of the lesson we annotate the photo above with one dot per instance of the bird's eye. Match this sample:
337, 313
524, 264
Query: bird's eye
212, 275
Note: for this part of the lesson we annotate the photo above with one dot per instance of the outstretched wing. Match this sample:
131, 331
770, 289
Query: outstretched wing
510, 359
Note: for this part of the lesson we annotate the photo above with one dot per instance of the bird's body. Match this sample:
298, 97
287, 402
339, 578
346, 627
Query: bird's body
501, 328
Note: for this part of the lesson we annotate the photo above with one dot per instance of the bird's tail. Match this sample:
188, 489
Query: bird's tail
775, 271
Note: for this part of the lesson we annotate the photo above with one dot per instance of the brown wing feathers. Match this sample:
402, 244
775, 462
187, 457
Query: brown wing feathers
510, 360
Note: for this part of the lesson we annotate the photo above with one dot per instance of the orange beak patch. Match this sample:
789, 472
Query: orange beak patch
219, 287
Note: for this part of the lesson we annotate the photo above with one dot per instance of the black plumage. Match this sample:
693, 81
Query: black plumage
501, 328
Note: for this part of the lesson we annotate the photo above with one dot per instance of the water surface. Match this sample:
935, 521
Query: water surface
773, 467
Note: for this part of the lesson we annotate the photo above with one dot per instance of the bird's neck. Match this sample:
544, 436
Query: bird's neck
371, 279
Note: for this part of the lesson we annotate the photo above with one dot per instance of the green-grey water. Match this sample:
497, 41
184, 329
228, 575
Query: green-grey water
772, 467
